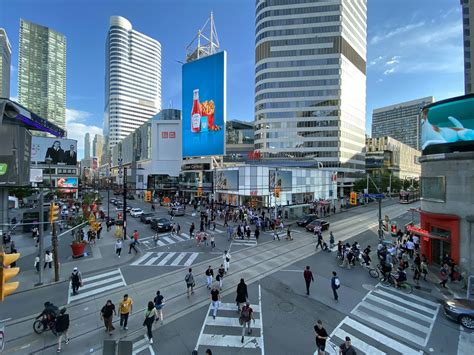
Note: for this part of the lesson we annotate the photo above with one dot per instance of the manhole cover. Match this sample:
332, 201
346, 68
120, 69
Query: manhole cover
286, 307
368, 287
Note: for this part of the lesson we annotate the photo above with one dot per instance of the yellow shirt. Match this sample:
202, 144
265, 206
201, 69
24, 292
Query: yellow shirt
126, 305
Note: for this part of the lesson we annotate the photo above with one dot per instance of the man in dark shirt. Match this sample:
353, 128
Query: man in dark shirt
321, 336
346, 348
308, 277
215, 297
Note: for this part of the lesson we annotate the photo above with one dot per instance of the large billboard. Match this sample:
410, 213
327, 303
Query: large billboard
281, 179
61, 151
68, 184
448, 125
227, 180
204, 106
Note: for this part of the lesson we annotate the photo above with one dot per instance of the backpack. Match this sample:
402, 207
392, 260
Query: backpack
75, 278
187, 278
337, 283
245, 315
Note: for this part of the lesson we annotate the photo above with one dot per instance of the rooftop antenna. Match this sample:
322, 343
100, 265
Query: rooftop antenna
205, 43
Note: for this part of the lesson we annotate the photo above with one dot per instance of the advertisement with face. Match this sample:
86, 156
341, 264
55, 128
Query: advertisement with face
448, 123
281, 179
227, 180
60, 151
67, 184
204, 106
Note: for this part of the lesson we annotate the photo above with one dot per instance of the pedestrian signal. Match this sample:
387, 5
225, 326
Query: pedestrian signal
53, 213
353, 199
148, 196
6, 273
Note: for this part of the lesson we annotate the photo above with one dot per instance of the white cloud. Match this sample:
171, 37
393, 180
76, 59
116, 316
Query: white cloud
375, 61
77, 128
394, 60
389, 71
76, 115
395, 32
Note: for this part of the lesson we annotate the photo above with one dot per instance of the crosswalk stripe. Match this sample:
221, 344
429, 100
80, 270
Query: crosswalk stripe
100, 276
414, 297
142, 345
160, 243
381, 338
166, 259
108, 281
186, 235
229, 322
230, 341
389, 327
178, 259
144, 257
401, 300
233, 307
180, 239
191, 259
359, 344
398, 308
100, 282
168, 239
153, 259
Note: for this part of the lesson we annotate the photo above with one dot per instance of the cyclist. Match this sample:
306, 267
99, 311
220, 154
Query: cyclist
49, 314
366, 256
400, 277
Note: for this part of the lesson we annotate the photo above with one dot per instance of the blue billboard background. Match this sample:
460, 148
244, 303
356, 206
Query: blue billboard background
208, 75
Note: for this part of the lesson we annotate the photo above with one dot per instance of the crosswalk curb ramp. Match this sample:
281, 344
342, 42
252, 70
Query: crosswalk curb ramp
166, 259
384, 315
142, 347
97, 284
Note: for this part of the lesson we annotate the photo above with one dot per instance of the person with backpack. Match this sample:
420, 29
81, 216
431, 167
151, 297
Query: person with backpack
226, 258
62, 328
335, 284
242, 294
246, 315
76, 280
118, 247
159, 304
189, 279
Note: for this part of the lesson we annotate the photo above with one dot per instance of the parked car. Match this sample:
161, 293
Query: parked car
136, 212
113, 201
130, 197
147, 217
317, 222
161, 224
306, 219
177, 211
460, 310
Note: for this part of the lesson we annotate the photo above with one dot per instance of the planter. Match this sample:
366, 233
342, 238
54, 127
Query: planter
78, 249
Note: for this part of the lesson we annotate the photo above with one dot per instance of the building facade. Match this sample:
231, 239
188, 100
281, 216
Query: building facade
97, 145
310, 77
5, 64
400, 121
42, 72
87, 146
239, 140
387, 155
132, 80
468, 36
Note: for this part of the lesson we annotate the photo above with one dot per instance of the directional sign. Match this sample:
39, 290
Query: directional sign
374, 195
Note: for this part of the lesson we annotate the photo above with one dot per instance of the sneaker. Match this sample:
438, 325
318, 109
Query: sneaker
119, 256
151, 340
213, 317
58, 350
68, 340
125, 328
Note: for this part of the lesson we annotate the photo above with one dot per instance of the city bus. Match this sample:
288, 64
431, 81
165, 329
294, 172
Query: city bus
409, 196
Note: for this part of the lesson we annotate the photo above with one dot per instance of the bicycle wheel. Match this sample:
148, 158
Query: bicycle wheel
406, 288
374, 273
38, 326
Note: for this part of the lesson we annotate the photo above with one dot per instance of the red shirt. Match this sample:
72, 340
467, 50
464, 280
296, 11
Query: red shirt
308, 275
135, 236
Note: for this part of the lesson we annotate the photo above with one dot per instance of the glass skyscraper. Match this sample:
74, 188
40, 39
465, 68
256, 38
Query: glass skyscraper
132, 80
42, 72
310, 82
5, 62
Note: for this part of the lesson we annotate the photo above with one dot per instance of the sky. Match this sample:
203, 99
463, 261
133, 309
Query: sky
414, 49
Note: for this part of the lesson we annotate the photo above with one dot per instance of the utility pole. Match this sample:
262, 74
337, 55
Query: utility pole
124, 203
379, 191
54, 241
40, 238
367, 198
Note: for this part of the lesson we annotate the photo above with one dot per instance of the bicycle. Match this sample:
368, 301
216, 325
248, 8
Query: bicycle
373, 272
39, 328
403, 286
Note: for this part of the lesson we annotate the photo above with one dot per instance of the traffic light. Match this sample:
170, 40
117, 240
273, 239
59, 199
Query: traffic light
277, 192
353, 199
53, 213
394, 228
148, 196
6, 273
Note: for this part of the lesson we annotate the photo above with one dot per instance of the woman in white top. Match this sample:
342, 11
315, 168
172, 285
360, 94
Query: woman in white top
118, 247
48, 259
151, 315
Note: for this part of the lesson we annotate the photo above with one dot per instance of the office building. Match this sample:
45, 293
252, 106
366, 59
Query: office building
132, 80
239, 141
400, 121
467, 18
97, 145
389, 156
310, 77
5, 63
87, 146
42, 72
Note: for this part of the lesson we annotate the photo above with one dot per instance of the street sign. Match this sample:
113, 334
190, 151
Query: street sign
374, 195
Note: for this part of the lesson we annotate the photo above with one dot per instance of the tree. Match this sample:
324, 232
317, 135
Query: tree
21, 192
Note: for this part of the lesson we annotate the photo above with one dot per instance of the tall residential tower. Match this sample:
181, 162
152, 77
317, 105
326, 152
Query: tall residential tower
42, 72
87, 146
468, 34
132, 80
5, 62
97, 145
310, 80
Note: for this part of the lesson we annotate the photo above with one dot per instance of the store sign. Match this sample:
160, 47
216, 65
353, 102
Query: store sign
200, 166
418, 231
254, 155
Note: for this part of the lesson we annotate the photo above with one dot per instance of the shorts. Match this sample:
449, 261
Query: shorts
320, 346
190, 285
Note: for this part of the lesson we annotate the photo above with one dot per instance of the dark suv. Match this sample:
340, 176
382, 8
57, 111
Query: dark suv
147, 217
161, 224
307, 219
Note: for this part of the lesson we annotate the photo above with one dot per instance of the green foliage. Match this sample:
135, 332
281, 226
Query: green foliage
382, 182
21, 192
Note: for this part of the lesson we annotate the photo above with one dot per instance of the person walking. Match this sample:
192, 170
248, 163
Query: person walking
308, 278
135, 236
62, 328
226, 258
48, 259
209, 276
321, 336
159, 304
189, 279
220, 276
444, 273
246, 315
213, 244
125, 308
76, 280
215, 299
335, 284
118, 247
37, 263
242, 295
320, 239
107, 314
151, 315
132, 245
257, 234
99, 231
191, 230
346, 348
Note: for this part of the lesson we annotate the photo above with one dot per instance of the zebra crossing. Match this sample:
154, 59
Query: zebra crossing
166, 259
142, 347
96, 284
252, 241
165, 240
223, 334
384, 315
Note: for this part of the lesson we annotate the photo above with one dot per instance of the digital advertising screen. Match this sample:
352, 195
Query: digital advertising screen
67, 184
227, 180
60, 151
448, 125
204, 106
281, 179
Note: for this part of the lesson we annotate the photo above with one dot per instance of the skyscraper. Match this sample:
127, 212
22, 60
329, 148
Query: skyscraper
87, 146
400, 121
5, 62
97, 145
310, 77
132, 80
467, 18
42, 72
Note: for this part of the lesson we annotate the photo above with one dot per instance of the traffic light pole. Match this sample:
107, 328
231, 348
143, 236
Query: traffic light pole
41, 238
54, 241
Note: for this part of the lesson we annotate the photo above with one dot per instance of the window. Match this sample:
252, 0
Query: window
433, 188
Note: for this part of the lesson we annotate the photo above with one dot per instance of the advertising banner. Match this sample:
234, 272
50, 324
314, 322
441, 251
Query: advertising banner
448, 124
204, 106
61, 151
68, 184
227, 180
280, 179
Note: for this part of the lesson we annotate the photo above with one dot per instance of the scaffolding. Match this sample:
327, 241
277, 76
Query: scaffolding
205, 43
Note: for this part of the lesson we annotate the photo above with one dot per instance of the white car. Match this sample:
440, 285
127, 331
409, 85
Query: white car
136, 212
